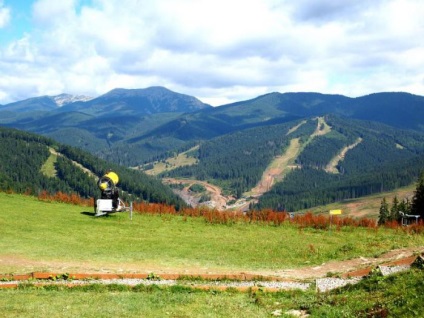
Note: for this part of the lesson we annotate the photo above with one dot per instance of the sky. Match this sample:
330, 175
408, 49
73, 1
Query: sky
220, 51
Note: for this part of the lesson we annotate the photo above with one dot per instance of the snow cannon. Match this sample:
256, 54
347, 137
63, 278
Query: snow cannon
109, 201
108, 182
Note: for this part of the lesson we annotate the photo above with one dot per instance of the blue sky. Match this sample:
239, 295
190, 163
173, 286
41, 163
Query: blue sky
20, 14
220, 51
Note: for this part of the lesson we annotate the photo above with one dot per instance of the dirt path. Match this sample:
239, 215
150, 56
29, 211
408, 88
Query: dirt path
277, 169
299, 274
343, 267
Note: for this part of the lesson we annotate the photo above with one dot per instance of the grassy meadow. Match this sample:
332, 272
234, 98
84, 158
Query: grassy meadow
48, 236
367, 206
399, 295
63, 238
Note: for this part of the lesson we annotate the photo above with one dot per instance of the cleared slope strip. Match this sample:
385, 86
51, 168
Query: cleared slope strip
283, 164
332, 165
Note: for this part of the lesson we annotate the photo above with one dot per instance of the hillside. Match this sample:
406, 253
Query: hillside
287, 168
43, 103
54, 258
136, 102
138, 126
269, 151
31, 163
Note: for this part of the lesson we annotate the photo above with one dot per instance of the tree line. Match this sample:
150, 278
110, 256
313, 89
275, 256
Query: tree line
399, 209
23, 154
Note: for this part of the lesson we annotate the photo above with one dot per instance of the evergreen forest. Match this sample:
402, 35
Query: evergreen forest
24, 154
381, 158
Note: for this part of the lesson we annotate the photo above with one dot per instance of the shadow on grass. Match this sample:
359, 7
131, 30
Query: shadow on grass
93, 214
88, 213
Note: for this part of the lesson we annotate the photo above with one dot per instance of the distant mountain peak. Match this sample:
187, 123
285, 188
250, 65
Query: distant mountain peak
155, 99
152, 91
64, 99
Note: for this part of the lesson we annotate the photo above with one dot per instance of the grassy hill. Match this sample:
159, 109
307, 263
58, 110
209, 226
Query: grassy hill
53, 237
367, 206
62, 237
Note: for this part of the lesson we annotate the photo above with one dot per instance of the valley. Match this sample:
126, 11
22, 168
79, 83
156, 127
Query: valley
284, 151
179, 160
280, 166
217, 199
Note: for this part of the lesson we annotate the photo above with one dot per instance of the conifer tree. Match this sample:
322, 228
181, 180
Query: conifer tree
405, 206
417, 207
384, 212
394, 210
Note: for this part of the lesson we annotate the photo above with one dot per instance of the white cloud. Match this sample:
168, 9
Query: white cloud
219, 51
4, 15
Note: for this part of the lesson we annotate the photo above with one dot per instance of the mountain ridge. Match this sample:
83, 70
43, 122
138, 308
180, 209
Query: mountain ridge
43, 103
143, 101
235, 142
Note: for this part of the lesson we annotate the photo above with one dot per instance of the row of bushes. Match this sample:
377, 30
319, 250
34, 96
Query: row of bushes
266, 216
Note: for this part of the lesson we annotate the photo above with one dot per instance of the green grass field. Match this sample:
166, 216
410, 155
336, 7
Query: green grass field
40, 236
399, 295
367, 206
51, 236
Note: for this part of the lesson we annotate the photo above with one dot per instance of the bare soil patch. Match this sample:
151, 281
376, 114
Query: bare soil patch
219, 200
358, 265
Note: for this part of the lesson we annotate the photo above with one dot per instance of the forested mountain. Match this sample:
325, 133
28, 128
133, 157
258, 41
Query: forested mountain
43, 103
132, 127
382, 159
236, 161
24, 158
376, 158
146, 101
363, 145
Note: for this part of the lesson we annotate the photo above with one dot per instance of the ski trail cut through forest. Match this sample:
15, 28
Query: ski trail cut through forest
275, 172
278, 168
322, 128
332, 165
291, 130
285, 163
49, 165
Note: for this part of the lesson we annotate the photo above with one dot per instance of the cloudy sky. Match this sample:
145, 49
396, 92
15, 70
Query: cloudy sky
219, 51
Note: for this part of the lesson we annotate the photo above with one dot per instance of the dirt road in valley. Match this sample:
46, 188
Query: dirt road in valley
219, 200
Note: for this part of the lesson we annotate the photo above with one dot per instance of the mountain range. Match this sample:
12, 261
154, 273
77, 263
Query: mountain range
234, 145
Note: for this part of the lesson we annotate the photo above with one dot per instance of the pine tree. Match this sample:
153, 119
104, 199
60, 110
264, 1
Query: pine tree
384, 212
394, 210
417, 207
405, 206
